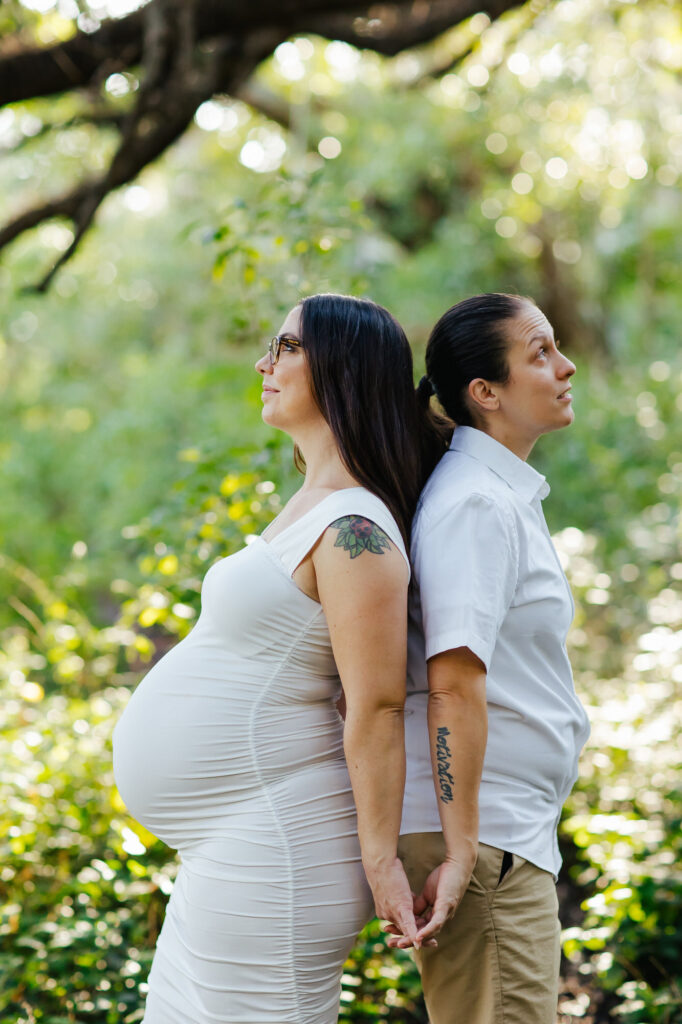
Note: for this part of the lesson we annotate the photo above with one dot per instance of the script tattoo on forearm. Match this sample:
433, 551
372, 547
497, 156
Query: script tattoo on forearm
357, 534
444, 760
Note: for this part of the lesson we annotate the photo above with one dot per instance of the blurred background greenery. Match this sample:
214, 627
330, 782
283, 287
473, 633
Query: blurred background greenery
540, 153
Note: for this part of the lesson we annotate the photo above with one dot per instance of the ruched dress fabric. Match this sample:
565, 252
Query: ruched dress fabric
231, 751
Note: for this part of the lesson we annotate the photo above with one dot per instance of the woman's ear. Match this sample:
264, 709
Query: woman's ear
482, 396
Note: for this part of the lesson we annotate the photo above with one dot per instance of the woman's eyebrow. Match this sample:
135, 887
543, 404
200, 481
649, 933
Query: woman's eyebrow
540, 337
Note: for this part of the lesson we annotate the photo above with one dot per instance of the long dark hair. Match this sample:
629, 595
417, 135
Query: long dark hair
360, 366
469, 341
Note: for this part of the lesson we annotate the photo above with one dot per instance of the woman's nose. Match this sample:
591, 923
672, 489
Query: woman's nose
568, 368
264, 364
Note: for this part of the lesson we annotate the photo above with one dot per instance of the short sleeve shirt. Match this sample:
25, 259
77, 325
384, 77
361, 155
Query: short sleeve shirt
489, 579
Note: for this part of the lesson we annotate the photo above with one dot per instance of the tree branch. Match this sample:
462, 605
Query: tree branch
449, 63
397, 29
73, 64
188, 51
62, 206
119, 43
266, 102
99, 118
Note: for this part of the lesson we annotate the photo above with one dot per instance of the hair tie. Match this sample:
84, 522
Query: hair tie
425, 385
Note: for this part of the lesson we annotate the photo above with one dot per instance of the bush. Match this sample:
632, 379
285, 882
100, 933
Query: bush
84, 887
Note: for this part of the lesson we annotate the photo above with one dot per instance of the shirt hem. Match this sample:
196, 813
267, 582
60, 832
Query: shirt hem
450, 641
489, 841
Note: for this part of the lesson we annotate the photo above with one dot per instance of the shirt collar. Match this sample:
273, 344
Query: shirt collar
521, 477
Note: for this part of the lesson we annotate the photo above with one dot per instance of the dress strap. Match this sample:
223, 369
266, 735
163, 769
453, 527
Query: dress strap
293, 544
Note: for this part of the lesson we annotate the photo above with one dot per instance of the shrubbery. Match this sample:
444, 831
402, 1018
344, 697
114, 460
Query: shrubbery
135, 357
84, 886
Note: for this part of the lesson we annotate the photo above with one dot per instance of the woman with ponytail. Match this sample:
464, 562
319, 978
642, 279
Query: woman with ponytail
491, 713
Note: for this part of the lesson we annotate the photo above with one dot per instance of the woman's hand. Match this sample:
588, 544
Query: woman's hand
393, 901
442, 893
440, 897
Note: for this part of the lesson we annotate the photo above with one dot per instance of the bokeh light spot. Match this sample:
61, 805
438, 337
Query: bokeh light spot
496, 143
478, 76
329, 147
567, 250
506, 227
636, 167
659, 370
518, 63
522, 183
209, 116
491, 208
556, 168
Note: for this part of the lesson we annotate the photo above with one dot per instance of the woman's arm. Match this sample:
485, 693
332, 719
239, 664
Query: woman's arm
466, 564
458, 718
364, 598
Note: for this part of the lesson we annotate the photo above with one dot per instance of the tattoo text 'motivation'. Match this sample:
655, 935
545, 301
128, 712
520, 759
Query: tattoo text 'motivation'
357, 534
444, 760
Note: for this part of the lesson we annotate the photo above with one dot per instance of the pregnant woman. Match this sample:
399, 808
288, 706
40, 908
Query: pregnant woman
232, 749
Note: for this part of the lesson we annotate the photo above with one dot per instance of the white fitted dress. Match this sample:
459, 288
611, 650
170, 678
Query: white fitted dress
231, 751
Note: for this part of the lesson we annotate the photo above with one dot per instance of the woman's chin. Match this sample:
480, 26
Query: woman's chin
565, 421
270, 417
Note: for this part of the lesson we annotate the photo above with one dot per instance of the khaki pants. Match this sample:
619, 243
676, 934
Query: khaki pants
497, 960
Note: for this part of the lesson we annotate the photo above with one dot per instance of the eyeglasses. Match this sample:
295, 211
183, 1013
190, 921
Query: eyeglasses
275, 346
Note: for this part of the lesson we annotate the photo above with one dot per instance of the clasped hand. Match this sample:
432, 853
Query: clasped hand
436, 904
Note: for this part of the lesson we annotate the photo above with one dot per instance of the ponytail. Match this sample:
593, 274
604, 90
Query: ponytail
468, 342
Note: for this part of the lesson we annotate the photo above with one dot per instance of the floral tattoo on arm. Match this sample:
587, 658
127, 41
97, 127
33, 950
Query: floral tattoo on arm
357, 534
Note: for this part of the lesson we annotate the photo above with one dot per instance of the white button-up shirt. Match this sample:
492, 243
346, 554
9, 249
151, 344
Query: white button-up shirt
489, 579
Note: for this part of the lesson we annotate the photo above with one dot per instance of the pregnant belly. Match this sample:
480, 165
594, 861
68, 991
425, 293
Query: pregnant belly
190, 751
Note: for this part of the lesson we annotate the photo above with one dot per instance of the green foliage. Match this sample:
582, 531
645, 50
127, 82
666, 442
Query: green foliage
79, 901
283, 239
622, 556
198, 524
83, 886
633, 928
379, 985
132, 453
